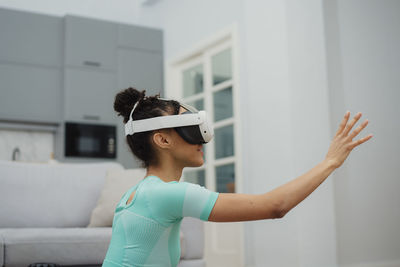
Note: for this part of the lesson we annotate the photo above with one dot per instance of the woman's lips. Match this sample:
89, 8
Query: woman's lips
201, 150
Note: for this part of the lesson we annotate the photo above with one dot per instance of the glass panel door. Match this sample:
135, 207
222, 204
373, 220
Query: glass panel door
222, 98
206, 80
198, 104
223, 106
222, 66
225, 175
193, 81
207, 84
224, 142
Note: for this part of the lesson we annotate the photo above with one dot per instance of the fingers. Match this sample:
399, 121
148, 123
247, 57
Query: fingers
358, 130
360, 141
343, 123
351, 124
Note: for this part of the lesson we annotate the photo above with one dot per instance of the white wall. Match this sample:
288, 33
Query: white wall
363, 41
309, 101
267, 151
287, 88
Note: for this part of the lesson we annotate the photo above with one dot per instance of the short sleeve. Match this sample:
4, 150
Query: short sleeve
198, 202
171, 202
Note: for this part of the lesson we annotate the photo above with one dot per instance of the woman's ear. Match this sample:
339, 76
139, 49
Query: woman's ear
162, 139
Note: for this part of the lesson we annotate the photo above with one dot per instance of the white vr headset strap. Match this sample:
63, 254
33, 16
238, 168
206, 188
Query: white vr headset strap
128, 125
162, 122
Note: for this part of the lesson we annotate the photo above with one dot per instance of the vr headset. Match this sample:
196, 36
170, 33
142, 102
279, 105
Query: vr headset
192, 125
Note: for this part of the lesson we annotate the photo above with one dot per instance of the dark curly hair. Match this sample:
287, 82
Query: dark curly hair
148, 107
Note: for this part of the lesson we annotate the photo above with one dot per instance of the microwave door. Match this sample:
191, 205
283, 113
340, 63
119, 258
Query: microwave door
88, 145
90, 140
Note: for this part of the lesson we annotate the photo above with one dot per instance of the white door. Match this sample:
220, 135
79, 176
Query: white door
206, 79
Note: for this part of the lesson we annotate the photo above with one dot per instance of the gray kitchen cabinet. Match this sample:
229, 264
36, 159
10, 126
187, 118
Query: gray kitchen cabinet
30, 38
141, 38
90, 43
30, 93
89, 96
60, 69
141, 70
124, 153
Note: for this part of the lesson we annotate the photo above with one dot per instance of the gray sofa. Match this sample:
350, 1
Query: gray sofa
45, 210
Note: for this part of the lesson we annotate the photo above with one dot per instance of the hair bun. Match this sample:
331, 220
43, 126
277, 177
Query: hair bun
125, 100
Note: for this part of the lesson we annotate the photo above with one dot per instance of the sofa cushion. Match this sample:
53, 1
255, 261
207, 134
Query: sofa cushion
1, 250
117, 182
72, 246
50, 195
64, 246
192, 245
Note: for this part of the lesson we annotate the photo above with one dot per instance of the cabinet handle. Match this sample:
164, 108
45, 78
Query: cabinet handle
92, 63
91, 117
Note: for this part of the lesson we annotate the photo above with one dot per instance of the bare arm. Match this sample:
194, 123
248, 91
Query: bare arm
276, 203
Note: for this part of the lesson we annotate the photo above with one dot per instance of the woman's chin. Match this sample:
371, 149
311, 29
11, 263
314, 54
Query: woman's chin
198, 163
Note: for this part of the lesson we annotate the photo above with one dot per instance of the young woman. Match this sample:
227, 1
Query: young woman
145, 230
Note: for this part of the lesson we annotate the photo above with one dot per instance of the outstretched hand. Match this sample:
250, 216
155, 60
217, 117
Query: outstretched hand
342, 144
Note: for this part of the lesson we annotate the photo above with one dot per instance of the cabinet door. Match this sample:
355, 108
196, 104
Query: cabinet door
89, 95
140, 69
90, 43
30, 93
30, 38
142, 38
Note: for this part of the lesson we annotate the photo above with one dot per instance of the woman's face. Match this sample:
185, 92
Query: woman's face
188, 154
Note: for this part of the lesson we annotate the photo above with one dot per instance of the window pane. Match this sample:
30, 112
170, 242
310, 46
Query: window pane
222, 66
224, 142
225, 175
198, 104
196, 177
193, 81
223, 104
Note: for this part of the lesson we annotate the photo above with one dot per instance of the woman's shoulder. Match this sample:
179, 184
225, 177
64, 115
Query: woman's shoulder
157, 190
155, 181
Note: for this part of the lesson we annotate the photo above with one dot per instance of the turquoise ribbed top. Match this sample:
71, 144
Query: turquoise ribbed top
146, 231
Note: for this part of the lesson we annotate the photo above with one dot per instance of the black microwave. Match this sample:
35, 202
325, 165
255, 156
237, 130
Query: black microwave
90, 140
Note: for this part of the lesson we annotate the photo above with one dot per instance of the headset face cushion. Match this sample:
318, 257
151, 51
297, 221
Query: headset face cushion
190, 134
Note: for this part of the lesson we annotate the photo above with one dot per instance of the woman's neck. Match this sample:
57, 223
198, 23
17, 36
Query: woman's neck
167, 173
